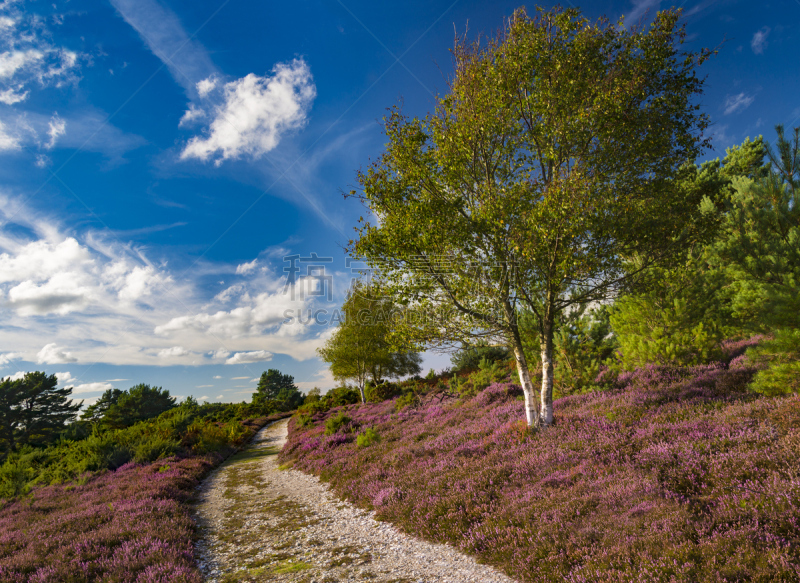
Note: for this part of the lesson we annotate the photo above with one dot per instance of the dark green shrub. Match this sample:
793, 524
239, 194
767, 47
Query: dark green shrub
407, 399
155, 448
303, 420
781, 356
381, 392
369, 437
334, 424
470, 357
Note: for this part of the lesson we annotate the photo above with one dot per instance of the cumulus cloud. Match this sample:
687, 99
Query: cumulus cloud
65, 378
759, 41
217, 377
248, 357
245, 268
735, 103
88, 298
48, 277
52, 354
192, 115
7, 357
255, 114
206, 86
98, 387
259, 314
175, 351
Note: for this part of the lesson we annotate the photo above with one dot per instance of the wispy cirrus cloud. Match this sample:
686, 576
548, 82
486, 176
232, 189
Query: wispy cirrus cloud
736, 103
163, 33
759, 40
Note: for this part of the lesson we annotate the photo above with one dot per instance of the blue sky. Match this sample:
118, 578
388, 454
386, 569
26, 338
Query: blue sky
159, 160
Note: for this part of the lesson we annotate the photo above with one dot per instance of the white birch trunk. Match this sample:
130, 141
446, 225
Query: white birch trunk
547, 376
531, 409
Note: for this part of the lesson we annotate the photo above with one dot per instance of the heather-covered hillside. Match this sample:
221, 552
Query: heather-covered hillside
673, 474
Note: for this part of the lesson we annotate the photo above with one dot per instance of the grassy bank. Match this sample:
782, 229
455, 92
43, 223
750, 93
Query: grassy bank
672, 474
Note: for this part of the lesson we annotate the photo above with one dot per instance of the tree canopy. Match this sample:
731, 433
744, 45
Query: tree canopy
33, 410
276, 386
548, 166
116, 409
360, 348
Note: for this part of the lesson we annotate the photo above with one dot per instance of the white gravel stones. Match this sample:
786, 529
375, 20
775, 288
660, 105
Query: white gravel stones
260, 523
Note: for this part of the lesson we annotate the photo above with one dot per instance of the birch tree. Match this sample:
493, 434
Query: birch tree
546, 168
360, 348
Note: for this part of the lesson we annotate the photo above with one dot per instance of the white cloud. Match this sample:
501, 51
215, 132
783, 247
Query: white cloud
735, 103
255, 114
88, 298
65, 378
219, 396
52, 354
162, 32
640, 9
238, 378
16, 376
175, 351
57, 127
7, 357
206, 86
203, 386
192, 115
759, 41
248, 357
7, 140
204, 398
13, 61
229, 293
12, 96
245, 268
98, 387
28, 56
217, 377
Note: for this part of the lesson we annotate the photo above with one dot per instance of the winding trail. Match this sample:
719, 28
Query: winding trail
260, 523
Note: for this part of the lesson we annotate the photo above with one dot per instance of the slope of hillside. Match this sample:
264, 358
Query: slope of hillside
674, 474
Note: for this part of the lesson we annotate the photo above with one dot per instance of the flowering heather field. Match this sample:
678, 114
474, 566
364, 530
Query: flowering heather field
128, 525
676, 474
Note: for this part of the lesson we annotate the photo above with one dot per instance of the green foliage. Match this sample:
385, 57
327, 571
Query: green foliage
185, 429
117, 409
334, 424
409, 398
274, 386
360, 349
681, 312
313, 396
582, 342
367, 438
489, 372
375, 393
758, 250
781, 356
303, 420
33, 411
529, 162
470, 356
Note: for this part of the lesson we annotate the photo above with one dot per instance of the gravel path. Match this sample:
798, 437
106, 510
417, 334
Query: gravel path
260, 523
